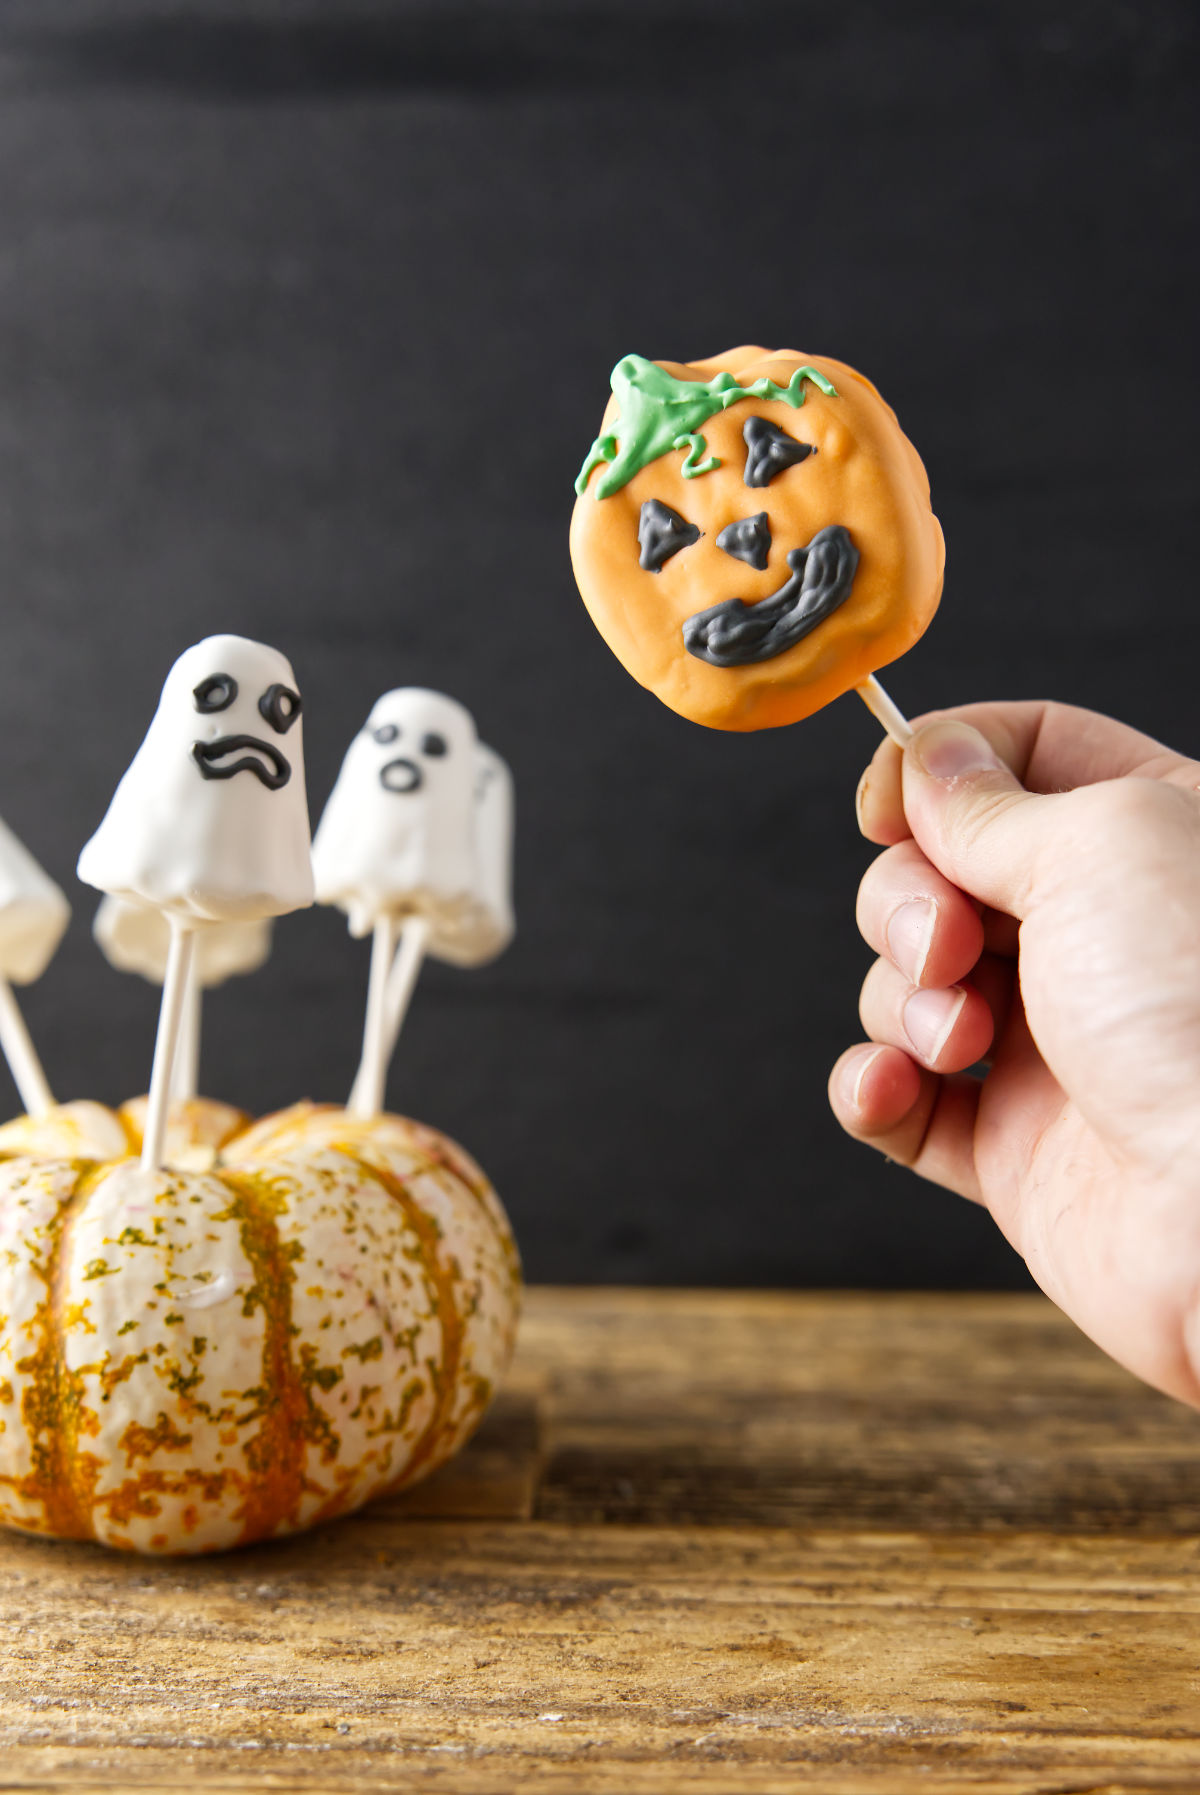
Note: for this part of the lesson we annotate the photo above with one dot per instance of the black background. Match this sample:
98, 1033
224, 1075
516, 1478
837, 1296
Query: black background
306, 318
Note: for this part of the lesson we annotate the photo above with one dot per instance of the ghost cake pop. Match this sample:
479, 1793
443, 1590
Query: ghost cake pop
137, 938
397, 833
753, 536
395, 848
33, 915
474, 935
210, 822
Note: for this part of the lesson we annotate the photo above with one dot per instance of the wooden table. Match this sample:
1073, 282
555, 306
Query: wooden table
705, 1542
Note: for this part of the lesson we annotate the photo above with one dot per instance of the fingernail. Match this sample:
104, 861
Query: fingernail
860, 1068
860, 798
910, 936
929, 1017
952, 750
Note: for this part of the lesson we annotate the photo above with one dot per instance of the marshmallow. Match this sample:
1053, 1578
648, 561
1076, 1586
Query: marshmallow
136, 938
210, 822
33, 913
479, 933
397, 837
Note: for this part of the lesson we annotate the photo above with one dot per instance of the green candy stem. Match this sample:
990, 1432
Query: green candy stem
657, 413
695, 445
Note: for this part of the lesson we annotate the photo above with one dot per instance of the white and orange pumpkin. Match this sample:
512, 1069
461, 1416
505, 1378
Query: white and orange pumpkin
294, 1316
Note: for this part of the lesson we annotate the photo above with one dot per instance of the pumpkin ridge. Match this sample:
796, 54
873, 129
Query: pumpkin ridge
50, 1408
438, 1164
441, 1165
436, 1160
445, 1379
432, 1157
128, 1127
278, 1451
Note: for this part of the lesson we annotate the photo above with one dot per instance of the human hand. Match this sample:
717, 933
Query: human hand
1044, 919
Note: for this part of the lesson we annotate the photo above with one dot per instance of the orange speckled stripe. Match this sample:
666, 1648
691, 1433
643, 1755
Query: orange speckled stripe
63, 1479
450, 1322
131, 1131
432, 1158
290, 1420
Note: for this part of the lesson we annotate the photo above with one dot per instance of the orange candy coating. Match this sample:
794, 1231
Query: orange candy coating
864, 475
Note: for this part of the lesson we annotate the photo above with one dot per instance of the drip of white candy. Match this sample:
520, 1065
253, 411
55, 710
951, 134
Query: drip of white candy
210, 822
33, 915
137, 938
398, 849
481, 930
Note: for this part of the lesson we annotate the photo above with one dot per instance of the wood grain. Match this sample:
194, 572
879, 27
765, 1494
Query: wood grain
943, 1644
945, 1411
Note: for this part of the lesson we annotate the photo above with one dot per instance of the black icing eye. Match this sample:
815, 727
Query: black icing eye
748, 539
661, 534
769, 451
387, 732
216, 693
435, 746
280, 707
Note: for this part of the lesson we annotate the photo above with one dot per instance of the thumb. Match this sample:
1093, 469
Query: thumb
972, 817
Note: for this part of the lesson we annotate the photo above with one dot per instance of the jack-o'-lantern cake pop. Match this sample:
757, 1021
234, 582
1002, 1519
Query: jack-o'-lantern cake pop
753, 535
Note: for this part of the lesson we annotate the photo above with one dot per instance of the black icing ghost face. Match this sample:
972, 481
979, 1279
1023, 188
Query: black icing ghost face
420, 739
228, 751
185, 831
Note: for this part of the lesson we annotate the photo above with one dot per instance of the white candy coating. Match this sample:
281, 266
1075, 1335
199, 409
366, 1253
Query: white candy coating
205, 826
136, 938
397, 836
483, 931
33, 913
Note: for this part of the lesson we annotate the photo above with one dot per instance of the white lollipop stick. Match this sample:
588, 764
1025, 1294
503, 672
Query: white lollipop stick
170, 1015
21, 1055
366, 1100
401, 983
402, 979
885, 711
186, 1077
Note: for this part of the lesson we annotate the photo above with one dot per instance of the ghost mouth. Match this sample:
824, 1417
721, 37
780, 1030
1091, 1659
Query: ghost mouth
271, 769
401, 775
735, 634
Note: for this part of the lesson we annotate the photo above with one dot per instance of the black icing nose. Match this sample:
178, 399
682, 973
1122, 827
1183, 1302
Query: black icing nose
401, 775
748, 540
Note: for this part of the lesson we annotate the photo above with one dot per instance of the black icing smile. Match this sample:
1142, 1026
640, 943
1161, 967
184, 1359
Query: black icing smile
401, 775
273, 770
735, 634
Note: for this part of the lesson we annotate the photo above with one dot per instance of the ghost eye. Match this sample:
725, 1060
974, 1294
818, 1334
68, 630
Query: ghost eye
661, 534
435, 746
279, 706
387, 732
216, 693
770, 451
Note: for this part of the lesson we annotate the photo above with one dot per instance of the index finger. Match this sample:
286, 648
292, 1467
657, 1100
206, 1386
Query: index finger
1050, 747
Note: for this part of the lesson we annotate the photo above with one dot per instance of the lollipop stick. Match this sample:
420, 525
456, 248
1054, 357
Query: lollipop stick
186, 1076
885, 711
401, 983
174, 997
21, 1055
402, 979
366, 1099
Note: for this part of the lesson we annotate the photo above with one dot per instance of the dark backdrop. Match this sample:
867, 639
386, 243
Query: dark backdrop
292, 297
